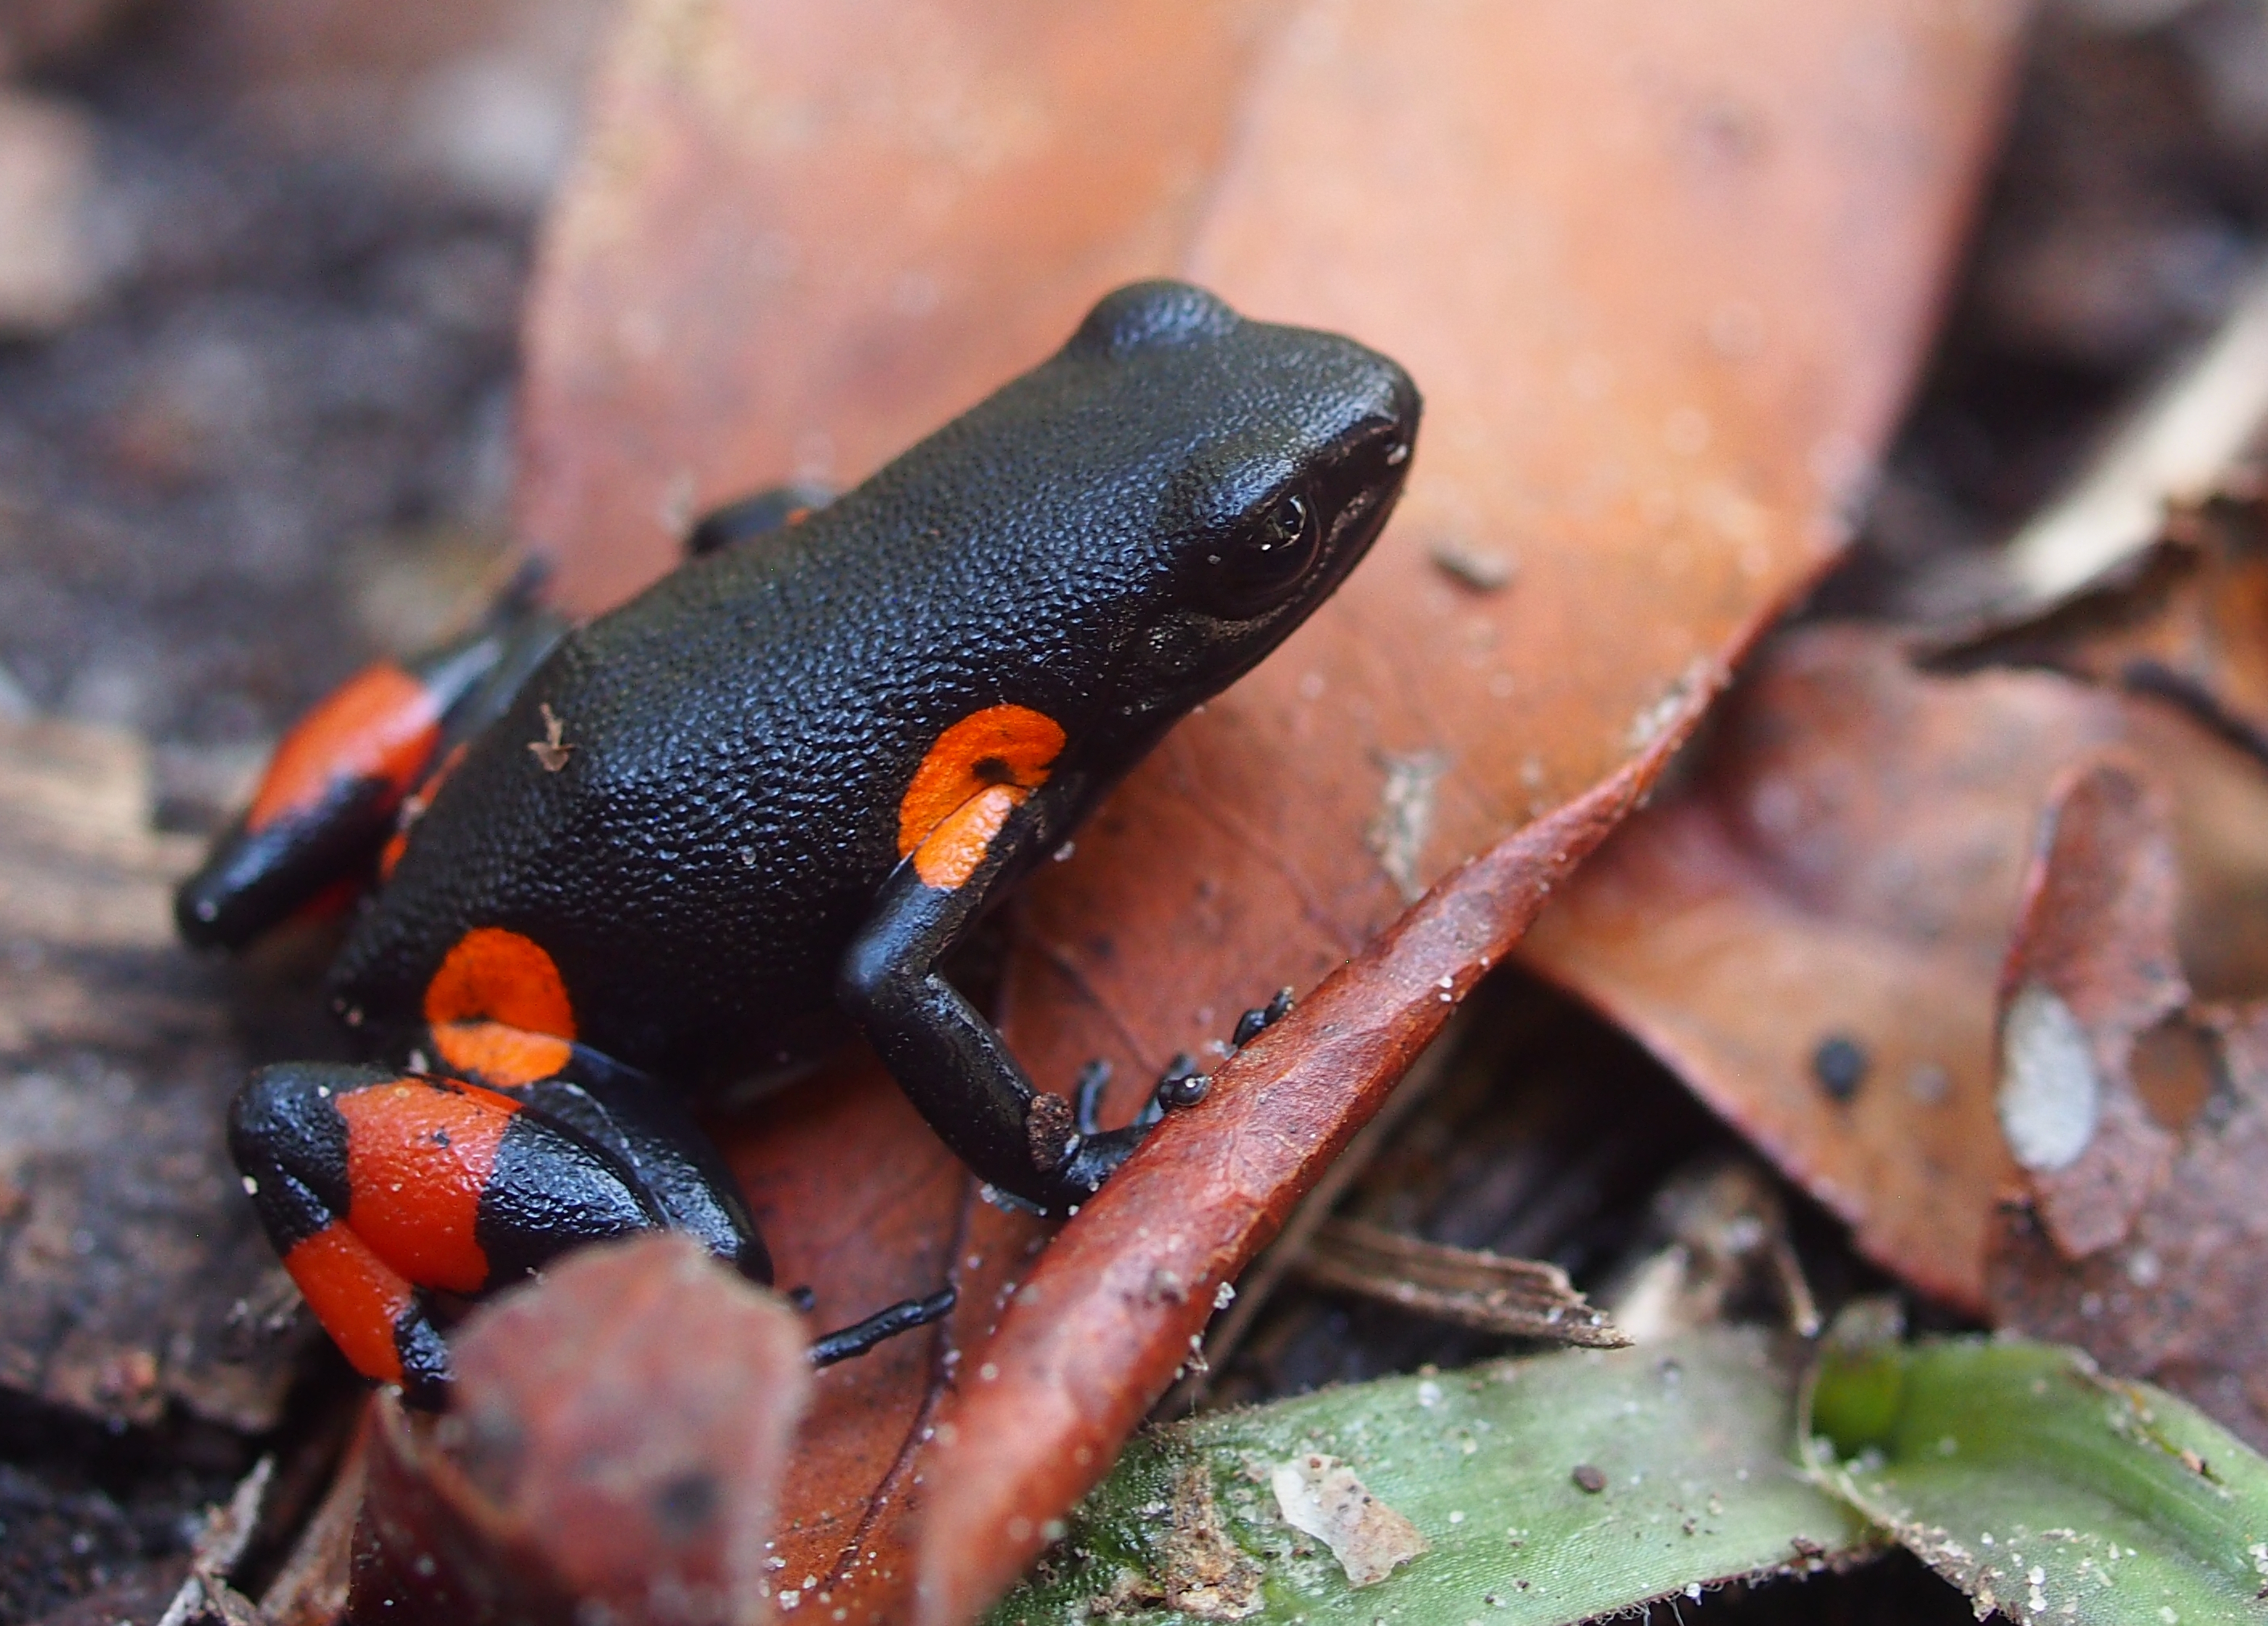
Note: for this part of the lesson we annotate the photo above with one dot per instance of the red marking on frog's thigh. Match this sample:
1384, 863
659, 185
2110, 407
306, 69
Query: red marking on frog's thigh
419, 1154
356, 1297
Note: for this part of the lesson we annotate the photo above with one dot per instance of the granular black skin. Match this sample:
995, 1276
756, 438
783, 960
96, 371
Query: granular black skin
739, 737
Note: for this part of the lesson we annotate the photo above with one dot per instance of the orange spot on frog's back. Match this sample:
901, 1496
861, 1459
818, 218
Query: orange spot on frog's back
380, 724
503, 1059
496, 976
419, 1153
976, 774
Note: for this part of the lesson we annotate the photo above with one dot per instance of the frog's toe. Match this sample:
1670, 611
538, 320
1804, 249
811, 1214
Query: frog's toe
1260, 1019
1087, 1098
1182, 1084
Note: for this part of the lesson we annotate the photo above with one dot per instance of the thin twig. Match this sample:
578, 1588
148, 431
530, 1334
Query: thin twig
1468, 1286
2183, 442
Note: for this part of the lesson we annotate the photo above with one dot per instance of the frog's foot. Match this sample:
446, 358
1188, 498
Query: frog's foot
1260, 1019
1097, 1152
1180, 1085
379, 1187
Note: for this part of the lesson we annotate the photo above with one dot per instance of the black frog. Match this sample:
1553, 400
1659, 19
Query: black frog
614, 863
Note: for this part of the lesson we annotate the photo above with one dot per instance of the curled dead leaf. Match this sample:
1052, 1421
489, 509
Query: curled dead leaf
2104, 878
2145, 1245
1837, 883
2182, 619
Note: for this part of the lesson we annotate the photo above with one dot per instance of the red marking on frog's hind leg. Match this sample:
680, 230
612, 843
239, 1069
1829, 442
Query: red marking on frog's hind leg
378, 1187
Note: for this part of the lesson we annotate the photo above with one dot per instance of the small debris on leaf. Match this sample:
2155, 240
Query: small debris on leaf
1204, 1573
1840, 1063
1321, 1496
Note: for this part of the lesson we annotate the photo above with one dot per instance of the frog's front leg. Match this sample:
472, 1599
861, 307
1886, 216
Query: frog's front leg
951, 1063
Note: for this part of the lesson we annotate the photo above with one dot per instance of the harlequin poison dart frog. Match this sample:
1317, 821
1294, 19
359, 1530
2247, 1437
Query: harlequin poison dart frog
614, 864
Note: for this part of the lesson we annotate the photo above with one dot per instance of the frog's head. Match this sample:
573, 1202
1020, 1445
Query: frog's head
1285, 450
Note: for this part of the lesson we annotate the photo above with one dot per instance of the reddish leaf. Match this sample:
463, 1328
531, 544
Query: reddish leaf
1811, 930
2142, 1119
616, 1441
1662, 274
1662, 281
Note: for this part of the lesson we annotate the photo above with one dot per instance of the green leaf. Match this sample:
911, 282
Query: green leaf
1690, 1441
2042, 1488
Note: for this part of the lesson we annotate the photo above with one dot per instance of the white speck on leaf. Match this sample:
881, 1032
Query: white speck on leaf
2050, 1094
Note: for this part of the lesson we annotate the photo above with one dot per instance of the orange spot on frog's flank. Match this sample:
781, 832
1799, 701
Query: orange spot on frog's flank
972, 779
354, 1295
380, 724
418, 1155
498, 1009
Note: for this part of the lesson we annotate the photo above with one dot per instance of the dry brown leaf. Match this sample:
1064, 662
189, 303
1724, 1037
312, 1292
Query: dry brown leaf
2182, 620
587, 1469
131, 1275
1811, 930
2140, 1117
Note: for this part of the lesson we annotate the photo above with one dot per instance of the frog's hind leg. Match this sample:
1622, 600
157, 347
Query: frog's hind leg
353, 771
773, 509
645, 1126
641, 1121
379, 1187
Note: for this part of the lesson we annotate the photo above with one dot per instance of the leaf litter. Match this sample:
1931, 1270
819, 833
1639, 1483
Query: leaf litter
2191, 650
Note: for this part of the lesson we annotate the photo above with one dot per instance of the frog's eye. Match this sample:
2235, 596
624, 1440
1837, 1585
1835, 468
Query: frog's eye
1262, 567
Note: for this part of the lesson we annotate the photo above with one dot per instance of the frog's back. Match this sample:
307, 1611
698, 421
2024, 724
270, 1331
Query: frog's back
733, 745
